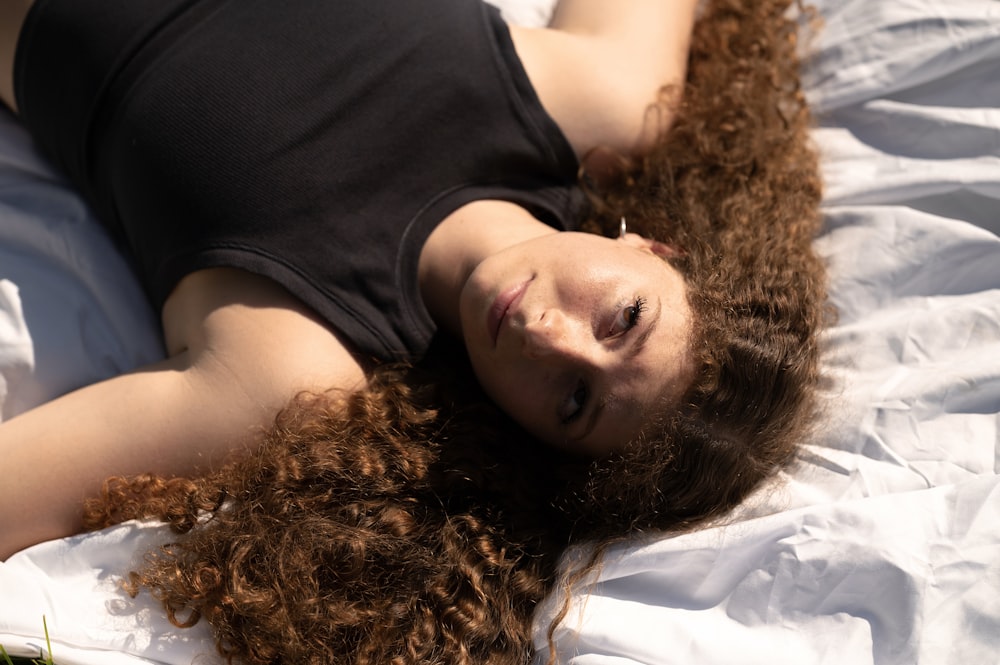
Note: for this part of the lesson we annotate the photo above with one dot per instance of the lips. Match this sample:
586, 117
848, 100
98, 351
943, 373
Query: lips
503, 303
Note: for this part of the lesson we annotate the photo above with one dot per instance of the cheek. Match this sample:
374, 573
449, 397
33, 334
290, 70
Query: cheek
514, 390
500, 383
587, 285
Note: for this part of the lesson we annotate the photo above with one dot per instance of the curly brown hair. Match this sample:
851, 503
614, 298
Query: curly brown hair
412, 523
735, 187
375, 527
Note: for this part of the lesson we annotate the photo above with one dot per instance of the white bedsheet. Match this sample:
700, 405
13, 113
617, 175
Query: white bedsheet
881, 545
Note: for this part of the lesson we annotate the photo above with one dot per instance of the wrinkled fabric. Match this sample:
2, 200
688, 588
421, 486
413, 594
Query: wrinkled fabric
71, 310
881, 544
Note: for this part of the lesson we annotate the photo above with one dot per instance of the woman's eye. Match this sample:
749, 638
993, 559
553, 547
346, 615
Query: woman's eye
573, 406
628, 317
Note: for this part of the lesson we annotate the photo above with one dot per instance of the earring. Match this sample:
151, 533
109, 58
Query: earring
621, 229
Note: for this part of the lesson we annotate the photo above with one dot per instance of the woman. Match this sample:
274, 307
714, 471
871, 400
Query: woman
253, 311
321, 543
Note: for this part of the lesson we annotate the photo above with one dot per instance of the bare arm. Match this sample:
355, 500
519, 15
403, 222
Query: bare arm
239, 355
600, 67
156, 419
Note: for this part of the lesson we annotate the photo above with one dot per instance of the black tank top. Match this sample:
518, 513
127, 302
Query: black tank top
315, 142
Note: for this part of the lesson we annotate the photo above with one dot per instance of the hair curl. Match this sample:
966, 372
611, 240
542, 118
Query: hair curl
412, 523
735, 188
365, 529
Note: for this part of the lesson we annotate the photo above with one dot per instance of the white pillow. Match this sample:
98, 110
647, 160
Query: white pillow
71, 311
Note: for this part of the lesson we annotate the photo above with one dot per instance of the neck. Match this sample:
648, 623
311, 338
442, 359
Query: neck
459, 243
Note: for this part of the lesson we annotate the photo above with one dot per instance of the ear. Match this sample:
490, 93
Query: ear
661, 249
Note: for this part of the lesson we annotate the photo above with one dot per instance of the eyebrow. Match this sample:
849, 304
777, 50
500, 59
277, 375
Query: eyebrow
636, 349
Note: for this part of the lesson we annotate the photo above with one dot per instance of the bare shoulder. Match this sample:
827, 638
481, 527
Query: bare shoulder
600, 68
241, 348
250, 330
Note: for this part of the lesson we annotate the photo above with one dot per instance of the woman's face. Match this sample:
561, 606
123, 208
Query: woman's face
578, 337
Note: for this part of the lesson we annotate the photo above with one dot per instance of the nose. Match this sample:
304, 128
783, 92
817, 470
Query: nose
554, 335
